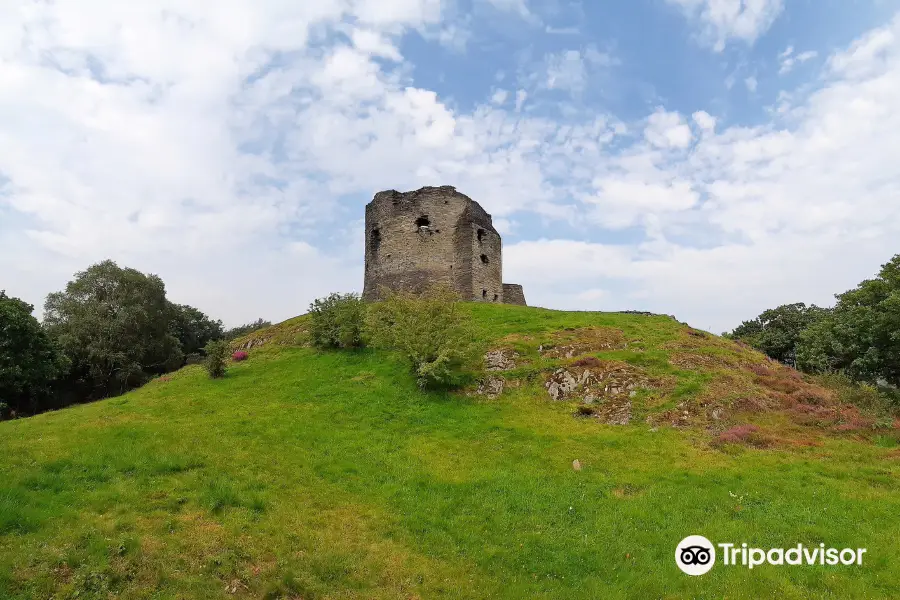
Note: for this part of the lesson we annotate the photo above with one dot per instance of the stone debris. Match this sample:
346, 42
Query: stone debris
604, 390
254, 342
491, 387
563, 383
616, 413
500, 360
576, 464
594, 383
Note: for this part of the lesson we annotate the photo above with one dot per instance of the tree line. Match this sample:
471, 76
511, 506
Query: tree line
858, 337
110, 330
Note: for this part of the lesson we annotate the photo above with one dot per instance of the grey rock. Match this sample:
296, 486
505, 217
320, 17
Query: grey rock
500, 360
491, 387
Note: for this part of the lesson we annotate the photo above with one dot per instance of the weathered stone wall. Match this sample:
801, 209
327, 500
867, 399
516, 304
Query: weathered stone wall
485, 250
431, 235
513, 294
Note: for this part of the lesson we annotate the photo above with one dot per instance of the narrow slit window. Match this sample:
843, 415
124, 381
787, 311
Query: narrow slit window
484, 259
423, 221
376, 238
484, 294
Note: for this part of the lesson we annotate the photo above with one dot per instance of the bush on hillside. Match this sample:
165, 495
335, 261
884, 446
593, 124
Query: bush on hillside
336, 321
216, 354
431, 330
864, 395
239, 356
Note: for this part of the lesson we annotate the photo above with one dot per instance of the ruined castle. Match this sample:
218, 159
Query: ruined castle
434, 235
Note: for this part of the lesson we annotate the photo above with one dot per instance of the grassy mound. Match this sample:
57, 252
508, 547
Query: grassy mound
305, 474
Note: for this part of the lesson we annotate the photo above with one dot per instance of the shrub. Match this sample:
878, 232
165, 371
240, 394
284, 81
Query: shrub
216, 353
239, 356
431, 330
336, 321
744, 434
863, 395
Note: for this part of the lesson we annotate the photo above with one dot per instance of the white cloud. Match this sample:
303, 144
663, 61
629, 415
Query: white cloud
570, 70
374, 44
871, 54
723, 20
704, 120
390, 13
751, 84
623, 202
521, 96
667, 130
499, 97
788, 60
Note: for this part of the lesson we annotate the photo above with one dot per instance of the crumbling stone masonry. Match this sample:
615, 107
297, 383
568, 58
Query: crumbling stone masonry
434, 235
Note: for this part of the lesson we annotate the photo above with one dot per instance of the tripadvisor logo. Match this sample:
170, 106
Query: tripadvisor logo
696, 555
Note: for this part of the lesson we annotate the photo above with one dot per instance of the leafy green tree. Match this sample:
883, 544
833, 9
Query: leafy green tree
776, 331
29, 360
193, 328
432, 330
861, 336
114, 325
336, 321
216, 357
241, 330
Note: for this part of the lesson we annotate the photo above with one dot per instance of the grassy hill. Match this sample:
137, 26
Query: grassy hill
306, 474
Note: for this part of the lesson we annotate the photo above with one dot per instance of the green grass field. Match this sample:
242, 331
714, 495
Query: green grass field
306, 474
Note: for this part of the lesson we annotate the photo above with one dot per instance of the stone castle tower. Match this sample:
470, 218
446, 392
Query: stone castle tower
434, 235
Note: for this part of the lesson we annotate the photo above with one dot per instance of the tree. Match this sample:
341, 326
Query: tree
776, 331
861, 336
29, 361
193, 328
114, 325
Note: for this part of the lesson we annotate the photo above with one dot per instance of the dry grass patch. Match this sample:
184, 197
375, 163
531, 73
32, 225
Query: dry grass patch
573, 342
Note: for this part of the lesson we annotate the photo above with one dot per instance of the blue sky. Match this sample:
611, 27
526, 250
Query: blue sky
703, 158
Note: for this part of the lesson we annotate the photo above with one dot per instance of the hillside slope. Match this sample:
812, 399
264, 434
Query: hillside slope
305, 474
